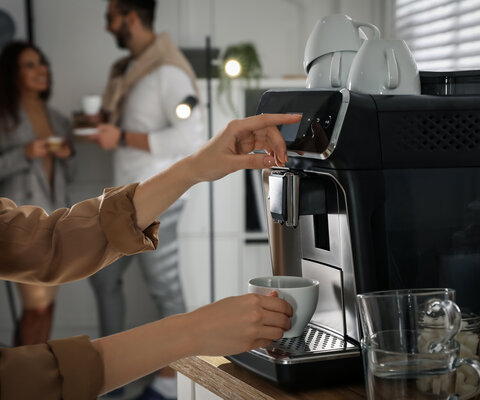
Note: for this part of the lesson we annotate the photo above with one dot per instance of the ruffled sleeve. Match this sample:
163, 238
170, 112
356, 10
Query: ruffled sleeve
65, 369
70, 244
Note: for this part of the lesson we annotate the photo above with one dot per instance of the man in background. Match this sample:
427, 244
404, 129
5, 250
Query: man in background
147, 136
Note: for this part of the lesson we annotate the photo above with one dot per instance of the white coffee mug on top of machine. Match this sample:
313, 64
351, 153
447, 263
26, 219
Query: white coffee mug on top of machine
330, 50
330, 70
384, 67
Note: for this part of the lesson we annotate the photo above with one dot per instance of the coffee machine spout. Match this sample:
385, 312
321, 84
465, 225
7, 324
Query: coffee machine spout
291, 195
283, 197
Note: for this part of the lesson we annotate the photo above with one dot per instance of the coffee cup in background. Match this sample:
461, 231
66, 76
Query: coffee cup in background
54, 143
91, 104
384, 67
300, 292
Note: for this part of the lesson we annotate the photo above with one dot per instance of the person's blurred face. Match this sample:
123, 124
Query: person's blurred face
33, 72
117, 25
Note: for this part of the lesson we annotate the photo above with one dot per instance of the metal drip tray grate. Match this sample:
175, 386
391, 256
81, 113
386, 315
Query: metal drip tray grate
316, 342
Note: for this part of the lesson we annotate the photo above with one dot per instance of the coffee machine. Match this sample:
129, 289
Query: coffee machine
379, 192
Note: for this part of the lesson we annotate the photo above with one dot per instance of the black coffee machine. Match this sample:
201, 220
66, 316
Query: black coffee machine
380, 192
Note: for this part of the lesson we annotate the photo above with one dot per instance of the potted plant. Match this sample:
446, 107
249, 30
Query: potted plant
246, 64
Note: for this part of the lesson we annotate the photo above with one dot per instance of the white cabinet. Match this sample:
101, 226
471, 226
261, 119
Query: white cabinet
189, 390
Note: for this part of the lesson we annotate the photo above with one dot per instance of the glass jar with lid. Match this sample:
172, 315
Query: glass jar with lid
468, 338
432, 329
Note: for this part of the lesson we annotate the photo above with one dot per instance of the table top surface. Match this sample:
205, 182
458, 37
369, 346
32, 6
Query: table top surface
231, 381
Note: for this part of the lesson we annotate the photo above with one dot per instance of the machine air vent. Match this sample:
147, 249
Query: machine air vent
429, 138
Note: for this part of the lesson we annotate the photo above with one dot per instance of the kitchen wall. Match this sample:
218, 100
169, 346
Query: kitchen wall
72, 34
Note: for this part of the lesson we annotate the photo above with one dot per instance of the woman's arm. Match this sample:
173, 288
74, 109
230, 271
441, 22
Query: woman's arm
71, 244
229, 326
227, 152
62, 245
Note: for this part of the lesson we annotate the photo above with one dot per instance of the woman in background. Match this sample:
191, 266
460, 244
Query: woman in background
34, 169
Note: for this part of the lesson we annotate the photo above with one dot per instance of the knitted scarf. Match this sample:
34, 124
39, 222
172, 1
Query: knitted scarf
122, 78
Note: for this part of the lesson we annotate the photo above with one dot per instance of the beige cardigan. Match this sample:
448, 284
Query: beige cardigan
68, 245
124, 75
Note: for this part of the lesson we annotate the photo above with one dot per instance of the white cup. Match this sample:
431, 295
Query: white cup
54, 143
301, 293
333, 36
384, 67
330, 70
91, 104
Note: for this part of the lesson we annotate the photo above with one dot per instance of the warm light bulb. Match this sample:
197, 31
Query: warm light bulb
183, 111
233, 68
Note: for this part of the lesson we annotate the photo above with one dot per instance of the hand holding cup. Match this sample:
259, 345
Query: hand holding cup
300, 292
58, 147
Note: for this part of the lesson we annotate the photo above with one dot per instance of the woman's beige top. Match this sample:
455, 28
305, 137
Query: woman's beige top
65, 246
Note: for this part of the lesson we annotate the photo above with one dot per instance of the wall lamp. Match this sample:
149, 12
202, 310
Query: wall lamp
233, 68
185, 108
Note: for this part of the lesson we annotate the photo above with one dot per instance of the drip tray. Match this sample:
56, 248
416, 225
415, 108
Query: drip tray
318, 358
316, 342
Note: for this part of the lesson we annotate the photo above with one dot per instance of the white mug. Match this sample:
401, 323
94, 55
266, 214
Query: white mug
91, 104
330, 70
384, 67
301, 293
330, 49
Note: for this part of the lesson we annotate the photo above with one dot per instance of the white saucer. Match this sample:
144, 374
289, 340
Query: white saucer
85, 131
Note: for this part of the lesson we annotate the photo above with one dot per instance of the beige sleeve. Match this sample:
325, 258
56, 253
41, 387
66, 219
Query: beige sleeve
69, 369
70, 244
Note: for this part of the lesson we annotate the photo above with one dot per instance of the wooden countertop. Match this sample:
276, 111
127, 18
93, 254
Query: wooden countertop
233, 382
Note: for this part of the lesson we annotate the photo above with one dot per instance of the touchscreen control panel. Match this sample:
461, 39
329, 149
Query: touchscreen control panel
316, 134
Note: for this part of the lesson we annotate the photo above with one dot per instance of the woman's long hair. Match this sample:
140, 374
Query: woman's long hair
10, 85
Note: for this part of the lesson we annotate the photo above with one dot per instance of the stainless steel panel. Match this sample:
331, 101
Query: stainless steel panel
330, 308
289, 246
285, 241
340, 254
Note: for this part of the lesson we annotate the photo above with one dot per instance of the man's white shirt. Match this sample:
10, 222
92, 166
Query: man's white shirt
150, 108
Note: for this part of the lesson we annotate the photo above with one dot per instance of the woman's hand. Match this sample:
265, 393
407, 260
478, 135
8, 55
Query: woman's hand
63, 151
229, 326
237, 324
231, 149
36, 149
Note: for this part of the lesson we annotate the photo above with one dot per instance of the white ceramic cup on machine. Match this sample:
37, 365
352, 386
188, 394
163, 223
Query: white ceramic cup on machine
300, 292
331, 48
384, 67
330, 70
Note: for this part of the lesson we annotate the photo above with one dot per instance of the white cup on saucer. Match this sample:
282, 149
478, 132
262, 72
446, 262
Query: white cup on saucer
91, 104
